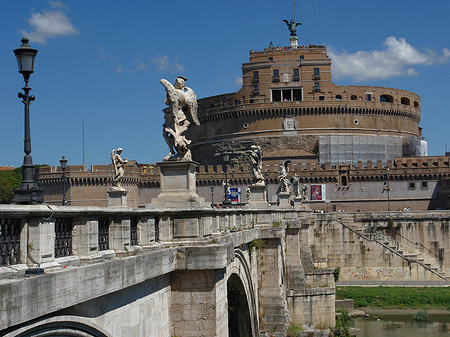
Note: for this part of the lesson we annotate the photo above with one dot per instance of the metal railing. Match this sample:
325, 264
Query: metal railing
9, 241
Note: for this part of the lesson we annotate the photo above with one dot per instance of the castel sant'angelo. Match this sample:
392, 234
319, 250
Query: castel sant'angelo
356, 148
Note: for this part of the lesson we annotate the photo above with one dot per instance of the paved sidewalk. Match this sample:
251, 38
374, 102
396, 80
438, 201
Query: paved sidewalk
395, 283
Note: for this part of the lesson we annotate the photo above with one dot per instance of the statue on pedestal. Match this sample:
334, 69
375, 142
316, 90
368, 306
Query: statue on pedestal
292, 26
178, 116
304, 192
296, 185
255, 154
119, 168
282, 177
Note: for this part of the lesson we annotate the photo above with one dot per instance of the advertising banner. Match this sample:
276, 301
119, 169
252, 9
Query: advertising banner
318, 192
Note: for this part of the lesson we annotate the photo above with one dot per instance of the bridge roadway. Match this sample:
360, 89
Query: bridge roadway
191, 271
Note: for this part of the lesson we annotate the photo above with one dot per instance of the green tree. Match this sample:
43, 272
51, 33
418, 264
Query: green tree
9, 180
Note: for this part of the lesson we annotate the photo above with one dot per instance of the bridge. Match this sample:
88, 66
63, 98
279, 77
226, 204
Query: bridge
181, 268
191, 271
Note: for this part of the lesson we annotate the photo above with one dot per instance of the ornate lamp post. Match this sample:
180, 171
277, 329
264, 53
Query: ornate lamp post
266, 175
28, 192
63, 162
226, 200
387, 188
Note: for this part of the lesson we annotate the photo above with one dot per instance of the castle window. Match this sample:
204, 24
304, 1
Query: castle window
287, 95
270, 58
424, 185
338, 97
416, 104
321, 98
296, 76
386, 98
354, 98
369, 97
276, 75
302, 57
411, 186
255, 75
316, 85
316, 72
405, 100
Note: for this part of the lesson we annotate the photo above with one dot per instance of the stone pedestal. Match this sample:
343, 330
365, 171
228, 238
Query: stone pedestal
294, 42
178, 184
258, 195
117, 198
284, 199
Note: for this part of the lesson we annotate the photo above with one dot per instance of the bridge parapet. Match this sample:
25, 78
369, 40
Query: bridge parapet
95, 256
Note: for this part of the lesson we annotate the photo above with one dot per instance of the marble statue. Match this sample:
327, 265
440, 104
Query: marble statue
178, 116
119, 168
255, 154
292, 26
296, 185
304, 193
282, 177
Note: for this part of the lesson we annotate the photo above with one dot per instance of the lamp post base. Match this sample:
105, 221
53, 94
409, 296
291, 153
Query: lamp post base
28, 195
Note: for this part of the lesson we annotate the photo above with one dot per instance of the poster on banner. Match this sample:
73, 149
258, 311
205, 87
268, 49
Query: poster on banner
318, 192
235, 195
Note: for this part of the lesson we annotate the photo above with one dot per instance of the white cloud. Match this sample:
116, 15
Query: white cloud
119, 69
163, 64
395, 59
50, 24
142, 66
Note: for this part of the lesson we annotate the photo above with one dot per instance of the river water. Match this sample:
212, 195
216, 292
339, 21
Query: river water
402, 326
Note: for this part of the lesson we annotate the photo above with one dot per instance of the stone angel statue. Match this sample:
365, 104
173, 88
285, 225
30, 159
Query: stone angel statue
255, 155
119, 167
178, 116
282, 177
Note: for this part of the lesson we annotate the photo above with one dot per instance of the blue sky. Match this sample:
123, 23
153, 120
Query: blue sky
101, 61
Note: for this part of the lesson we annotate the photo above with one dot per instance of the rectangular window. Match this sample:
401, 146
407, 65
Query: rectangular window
411, 186
276, 73
296, 73
321, 98
297, 94
369, 97
287, 95
316, 72
255, 75
316, 85
302, 57
270, 58
424, 185
276, 95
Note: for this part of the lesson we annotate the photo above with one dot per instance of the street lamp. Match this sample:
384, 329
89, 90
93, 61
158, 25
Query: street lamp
387, 188
28, 192
266, 175
226, 159
63, 162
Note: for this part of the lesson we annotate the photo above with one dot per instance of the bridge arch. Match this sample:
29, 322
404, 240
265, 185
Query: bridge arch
61, 326
242, 307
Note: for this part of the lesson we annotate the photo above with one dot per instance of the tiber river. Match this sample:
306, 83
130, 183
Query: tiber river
402, 326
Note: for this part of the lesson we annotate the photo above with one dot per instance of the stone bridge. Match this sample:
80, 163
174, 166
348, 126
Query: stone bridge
159, 271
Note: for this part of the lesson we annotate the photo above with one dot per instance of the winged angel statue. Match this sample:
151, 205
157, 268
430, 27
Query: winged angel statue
178, 116
292, 26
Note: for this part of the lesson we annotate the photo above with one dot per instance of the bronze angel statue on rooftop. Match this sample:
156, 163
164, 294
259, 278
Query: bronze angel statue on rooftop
292, 26
178, 116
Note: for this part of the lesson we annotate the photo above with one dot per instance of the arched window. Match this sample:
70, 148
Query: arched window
338, 97
386, 98
405, 100
416, 104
